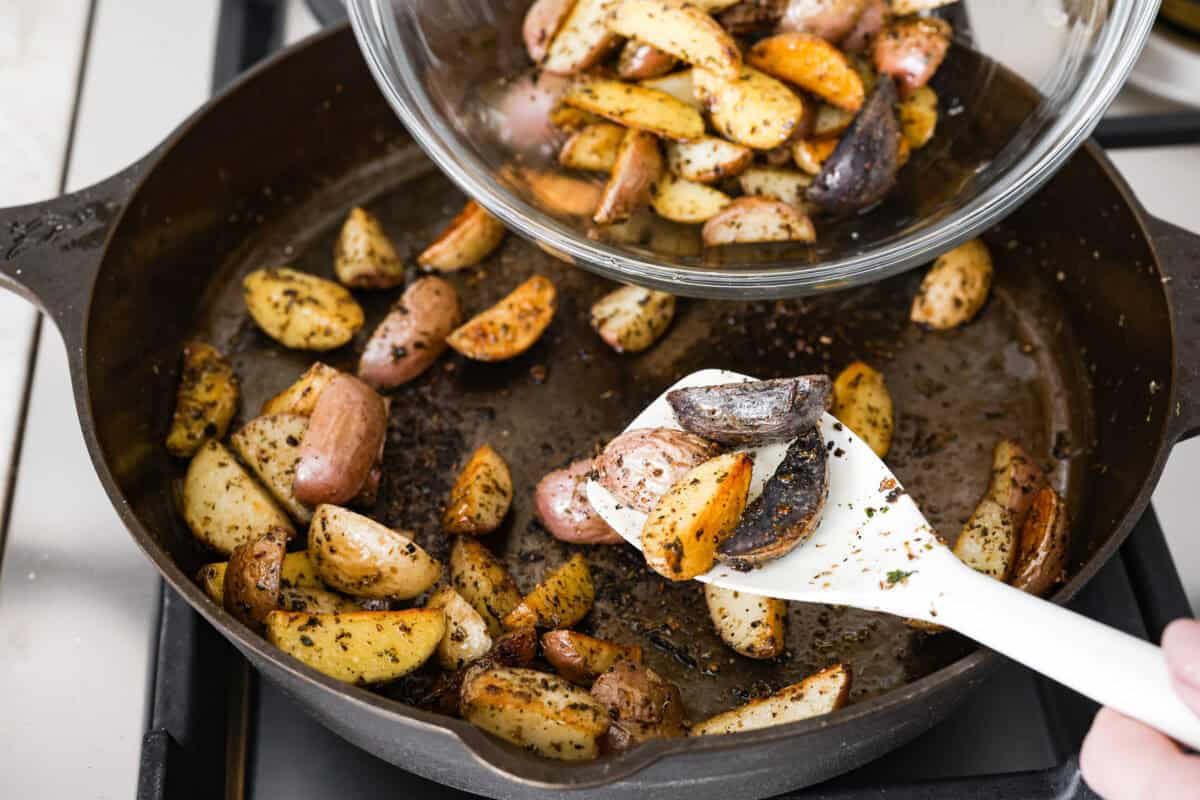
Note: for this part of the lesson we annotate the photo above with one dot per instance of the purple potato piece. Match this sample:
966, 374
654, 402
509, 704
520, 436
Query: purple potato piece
862, 170
753, 413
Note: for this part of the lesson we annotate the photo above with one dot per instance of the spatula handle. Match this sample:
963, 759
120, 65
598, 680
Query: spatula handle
1111, 667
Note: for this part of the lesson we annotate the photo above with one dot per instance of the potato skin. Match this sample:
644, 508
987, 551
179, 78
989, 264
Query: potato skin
639, 61
1016, 480
755, 412
481, 495
862, 168
831, 20
364, 257
301, 311
206, 400
252, 578
562, 507
342, 443
358, 556
758, 219
911, 50
510, 327
639, 466
1044, 545
580, 658
412, 336
638, 167
542, 21
680, 29
641, 705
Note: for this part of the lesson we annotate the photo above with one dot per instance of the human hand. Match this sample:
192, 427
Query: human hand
1123, 759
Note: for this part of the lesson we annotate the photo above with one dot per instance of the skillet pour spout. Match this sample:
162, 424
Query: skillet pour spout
132, 267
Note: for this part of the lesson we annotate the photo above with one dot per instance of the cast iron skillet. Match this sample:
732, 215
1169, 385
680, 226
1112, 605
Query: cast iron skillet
1087, 352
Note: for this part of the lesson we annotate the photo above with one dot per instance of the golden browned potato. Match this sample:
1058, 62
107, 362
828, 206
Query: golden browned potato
364, 257
1044, 545
412, 336
362, 647
638, 167
748, 220
681, 200
1016, 479
678, 84
562, 194
566, 118
631, 318
678, 28
830, 122
918, 117
695, 515
299, 310
911, 50
639, 60
641, 705
635, 106
817, 694
270, 446
810, 155
343, 441
252, 578
468, 239
592, 147
751, 108
752, 625
205, 402
301, 397
483, 582
296, 572
358, 556
537, 711
988, 542
542, 21
955, 288
481, 495
707, 159
902, 7
562, 598
467, 637
510, 327
641, 465
581, 659
582, 40
776, 183
811, 63
862, 402
223, 505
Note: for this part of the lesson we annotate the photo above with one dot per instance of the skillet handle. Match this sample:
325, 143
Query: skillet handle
1179, 257
50, 252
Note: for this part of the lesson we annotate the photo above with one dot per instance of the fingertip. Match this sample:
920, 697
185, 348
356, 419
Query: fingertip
1181, 646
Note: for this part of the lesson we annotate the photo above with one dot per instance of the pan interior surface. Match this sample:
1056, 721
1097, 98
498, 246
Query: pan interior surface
1064, 358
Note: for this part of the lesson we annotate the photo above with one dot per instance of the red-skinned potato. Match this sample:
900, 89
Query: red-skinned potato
523, 110
873, 19
911, 50
468, 239
581, 659
252, 578
342, 442
639, 60
563, 508
364, 257
1044, 544
831, 20
412, 335
639, 466
678, 28
758, 219
542, 21
1016, 480
638, 166
641, 705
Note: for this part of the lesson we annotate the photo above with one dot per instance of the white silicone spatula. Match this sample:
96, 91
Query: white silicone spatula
874, 550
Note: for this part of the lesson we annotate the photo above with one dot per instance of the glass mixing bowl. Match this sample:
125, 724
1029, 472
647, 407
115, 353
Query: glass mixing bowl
1007, 121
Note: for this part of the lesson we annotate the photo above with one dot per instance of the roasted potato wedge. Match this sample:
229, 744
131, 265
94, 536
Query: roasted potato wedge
581, 659
810, 155
988, 542
682, 200
753, 626
1044, 545
749, 220
341, 444
572, 119
592, 147
751, 108
296, 572
562, 194
1016, 480
911, 50
829, 19
252, 578
205, 402
635, 106
483, 582
563, 598
223, 506
467, 637
829, 122
563, 508
811, 63
776, 183
875, 16
412, 336
863, 404
682, 533
861, 170
678, 84
639, 466
817, 694
631, 318
358, 556
639, 60
270, 446
468, 239
918, 117
542, 21
301, 397
678, 28
902, 7
510, 327
364, 257
708, 159
582, 40
638, 167
299, 310
955, 288
755, 412
481, 495
535, 710
362, 647
641, 705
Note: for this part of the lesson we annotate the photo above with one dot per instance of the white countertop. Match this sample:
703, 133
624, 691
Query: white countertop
148, 64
